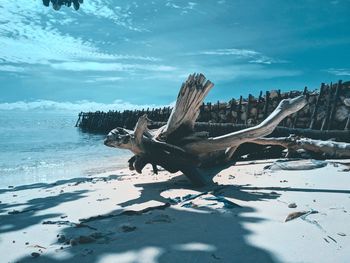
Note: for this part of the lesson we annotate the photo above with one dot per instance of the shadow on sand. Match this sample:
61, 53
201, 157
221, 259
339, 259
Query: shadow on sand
202, 234
172, 234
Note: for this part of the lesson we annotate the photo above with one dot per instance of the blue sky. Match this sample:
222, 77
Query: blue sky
139, 52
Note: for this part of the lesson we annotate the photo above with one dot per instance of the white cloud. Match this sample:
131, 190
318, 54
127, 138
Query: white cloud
339, 71
74, 106
29, 34
227, 73
184, 8
101, 66
9, 68
169, 4
251, 71
251, 55
103, 79
231, 51
109, 10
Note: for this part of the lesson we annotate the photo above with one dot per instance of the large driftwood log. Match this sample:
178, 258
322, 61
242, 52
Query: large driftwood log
177, 147
218, 129
328, 149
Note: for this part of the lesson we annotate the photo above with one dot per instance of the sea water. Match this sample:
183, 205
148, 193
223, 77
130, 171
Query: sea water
38, 146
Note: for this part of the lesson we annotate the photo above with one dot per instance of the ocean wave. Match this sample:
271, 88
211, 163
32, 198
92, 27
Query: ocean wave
30, 167
83, 105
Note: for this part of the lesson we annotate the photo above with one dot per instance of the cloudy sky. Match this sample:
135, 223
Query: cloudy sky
139, 52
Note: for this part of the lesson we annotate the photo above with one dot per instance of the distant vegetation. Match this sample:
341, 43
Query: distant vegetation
56, 4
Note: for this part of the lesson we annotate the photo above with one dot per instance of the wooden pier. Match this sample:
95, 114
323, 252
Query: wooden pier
327, 114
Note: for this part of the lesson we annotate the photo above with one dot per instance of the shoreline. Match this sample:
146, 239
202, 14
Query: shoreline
121, 216
51, 172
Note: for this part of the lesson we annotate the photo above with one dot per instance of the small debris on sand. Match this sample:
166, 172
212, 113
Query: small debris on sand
296, 165
61, 238
73, 242
162, 218
86, 239
102, 199
38, 246
332, 239
87, 252
341, 234
292, 205
35, 254
295, 215
227, 203
67, 223
127, 228
14, 212
97, 235
283, 181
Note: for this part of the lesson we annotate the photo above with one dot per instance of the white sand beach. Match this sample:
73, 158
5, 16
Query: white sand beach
122, 216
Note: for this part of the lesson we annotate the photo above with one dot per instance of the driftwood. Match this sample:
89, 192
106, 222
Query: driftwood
328, 149
217, 129
176, 146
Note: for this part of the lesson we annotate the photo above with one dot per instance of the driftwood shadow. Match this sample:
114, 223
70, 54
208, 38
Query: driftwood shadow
185, 235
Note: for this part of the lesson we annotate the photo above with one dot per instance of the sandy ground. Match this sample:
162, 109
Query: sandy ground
126, 217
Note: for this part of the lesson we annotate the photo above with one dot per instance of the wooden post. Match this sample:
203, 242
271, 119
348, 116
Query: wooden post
317, 104
347, 125
325, 120
231, 108
266, 107
279, 99
258, 107
78, 121
297, 113
248, 108
239, 109
335, 98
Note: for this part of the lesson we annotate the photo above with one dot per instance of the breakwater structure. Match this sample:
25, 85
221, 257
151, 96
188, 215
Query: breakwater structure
326, 116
